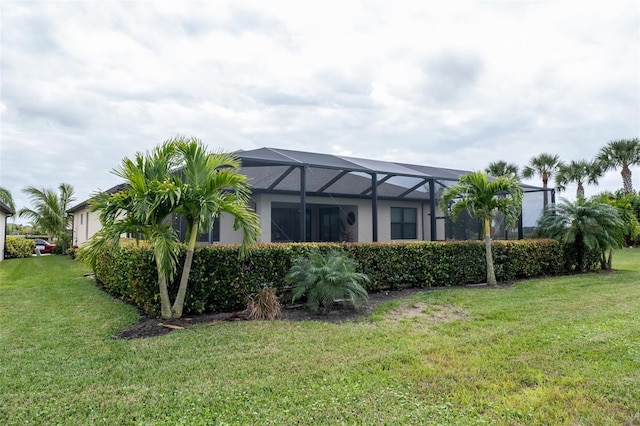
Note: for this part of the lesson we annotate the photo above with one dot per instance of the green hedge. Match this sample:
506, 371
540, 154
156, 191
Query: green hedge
19, 247
221, 282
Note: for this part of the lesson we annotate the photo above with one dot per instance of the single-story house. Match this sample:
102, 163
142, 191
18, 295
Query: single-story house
5, 213
304, 196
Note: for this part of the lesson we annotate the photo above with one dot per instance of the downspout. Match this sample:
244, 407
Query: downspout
374, 206
303, 204
432, 210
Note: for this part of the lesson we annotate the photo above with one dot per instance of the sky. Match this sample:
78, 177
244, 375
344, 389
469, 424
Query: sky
457, 84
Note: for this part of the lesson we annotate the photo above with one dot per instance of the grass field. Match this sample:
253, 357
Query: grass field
556, 351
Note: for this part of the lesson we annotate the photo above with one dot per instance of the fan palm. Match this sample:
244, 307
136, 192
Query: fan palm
578, 172
544, 165
621, 154
483, 199
49, 212
584, 223
212, 185
502, 168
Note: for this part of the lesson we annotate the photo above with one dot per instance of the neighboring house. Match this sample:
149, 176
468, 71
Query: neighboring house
303, 196
5, 213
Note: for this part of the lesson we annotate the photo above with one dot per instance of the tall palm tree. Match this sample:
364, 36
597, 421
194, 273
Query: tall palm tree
621, 154
212, 185
49, 212
578, 172
483, 199
584, 223
624, 204
7, 198
544, 165
502, 168
151, 193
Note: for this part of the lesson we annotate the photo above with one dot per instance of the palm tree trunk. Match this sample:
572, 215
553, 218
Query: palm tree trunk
580, 190
178, 304
627, 184
491, 274
165, 303
545, 184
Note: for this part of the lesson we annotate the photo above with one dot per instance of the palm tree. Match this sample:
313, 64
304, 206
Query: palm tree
497, 169
483, 199
578, 172
212, 185
49, 212
585, 224
150, 194
544, 165
502, 168
621, 154
7, 198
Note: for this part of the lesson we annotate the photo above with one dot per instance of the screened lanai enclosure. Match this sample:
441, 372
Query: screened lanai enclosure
303, 196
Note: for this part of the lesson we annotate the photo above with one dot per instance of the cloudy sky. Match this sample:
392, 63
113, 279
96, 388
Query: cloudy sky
450, 84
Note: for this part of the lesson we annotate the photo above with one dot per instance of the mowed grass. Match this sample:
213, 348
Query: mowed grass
556, 351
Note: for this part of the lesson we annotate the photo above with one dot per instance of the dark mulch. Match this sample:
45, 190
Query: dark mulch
150, 327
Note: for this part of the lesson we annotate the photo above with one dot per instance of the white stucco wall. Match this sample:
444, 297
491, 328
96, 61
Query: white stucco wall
3, 230
85, 224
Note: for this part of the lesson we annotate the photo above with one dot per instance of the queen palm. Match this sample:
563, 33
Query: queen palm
212, 185
151, 192
482, 199
544, 165
621, 154
49, 212
502, 168
579, 172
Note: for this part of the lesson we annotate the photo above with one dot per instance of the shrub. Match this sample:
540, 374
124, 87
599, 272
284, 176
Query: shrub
264, 305
19, 247
324, 279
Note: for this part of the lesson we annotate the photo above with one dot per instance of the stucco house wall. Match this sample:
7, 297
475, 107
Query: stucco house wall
5, 213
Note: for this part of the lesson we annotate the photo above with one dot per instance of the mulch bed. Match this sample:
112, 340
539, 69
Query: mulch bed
151, 327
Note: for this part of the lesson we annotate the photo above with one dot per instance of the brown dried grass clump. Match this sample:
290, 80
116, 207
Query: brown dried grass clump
264, 305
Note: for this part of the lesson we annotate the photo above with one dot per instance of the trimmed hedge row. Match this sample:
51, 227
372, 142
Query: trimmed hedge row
220, 282
19, 247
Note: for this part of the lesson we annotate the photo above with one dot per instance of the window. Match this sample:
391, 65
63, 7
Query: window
285, 224
403, 223
213, 235
81, 215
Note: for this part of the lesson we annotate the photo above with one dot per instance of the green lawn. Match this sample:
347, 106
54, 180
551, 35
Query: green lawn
557, 351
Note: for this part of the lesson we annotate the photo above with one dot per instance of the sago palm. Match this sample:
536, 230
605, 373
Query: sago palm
326, 278
621, 154
482, 199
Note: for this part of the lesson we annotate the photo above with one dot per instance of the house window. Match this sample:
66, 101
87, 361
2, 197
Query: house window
213, 235
403, 223
81, 215
285, 224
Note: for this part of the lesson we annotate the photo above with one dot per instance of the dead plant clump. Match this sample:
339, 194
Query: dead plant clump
264, 305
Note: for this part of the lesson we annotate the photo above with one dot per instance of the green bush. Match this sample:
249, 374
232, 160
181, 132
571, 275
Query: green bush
221, 282
19, 247
325, 278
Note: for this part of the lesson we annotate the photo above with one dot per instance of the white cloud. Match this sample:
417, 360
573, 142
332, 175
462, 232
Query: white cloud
452, 84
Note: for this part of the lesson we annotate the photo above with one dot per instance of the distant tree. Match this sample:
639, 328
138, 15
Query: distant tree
578, 172
7, 198
544, 165
621, 154
49, 212
585, 224
502, 168
482, 199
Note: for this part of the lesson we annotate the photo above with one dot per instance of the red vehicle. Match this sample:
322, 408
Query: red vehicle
44, 246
